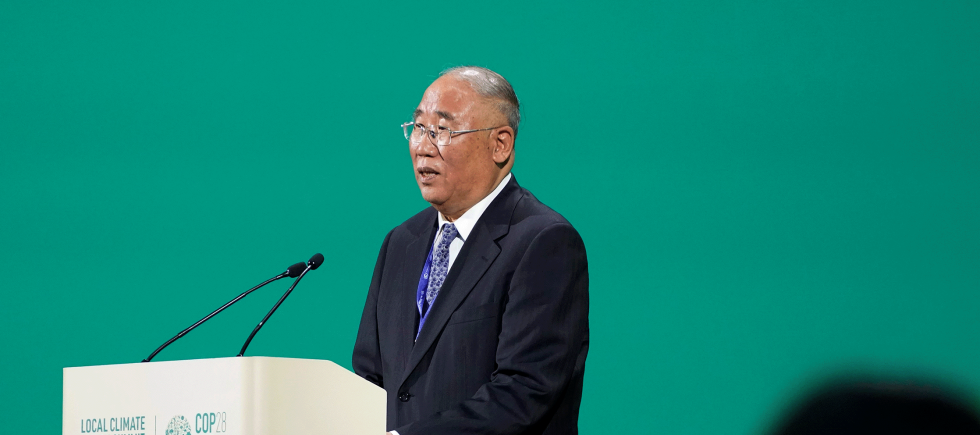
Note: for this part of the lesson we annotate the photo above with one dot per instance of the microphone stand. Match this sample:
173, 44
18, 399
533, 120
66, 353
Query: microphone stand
291, 271
275, 307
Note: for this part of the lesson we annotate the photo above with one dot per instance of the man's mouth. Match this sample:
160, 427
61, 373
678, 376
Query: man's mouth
426, 173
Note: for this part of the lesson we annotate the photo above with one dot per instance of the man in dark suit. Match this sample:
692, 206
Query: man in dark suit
476, 319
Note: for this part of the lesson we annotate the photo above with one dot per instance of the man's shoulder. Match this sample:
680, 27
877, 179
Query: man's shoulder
416, 225
531, 213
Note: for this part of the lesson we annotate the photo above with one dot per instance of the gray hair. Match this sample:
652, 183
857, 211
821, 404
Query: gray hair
491, 85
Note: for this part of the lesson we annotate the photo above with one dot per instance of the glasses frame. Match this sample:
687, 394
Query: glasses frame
432, 134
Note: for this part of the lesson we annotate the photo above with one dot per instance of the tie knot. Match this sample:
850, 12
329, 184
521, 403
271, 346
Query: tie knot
449, 232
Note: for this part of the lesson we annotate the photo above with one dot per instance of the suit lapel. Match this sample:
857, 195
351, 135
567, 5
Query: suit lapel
405, 311
472, 262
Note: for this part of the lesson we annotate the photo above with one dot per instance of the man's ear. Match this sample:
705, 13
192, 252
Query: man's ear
503, 145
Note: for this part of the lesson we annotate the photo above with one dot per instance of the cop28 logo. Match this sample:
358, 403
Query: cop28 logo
178, 426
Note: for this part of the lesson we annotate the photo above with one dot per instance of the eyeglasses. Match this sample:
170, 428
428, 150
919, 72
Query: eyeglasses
441, 136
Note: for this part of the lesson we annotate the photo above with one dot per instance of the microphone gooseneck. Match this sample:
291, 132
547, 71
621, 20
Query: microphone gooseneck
314, 263
293, 271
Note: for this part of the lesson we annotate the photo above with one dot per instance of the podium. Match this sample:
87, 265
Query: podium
222, 396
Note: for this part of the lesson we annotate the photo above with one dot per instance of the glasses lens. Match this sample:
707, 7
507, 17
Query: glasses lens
443, 137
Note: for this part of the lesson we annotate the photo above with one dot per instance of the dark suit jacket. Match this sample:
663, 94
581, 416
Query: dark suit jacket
503, 349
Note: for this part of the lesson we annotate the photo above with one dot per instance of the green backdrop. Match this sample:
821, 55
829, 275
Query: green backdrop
770, 192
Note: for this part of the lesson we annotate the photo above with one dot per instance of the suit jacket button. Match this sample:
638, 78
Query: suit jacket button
404, 397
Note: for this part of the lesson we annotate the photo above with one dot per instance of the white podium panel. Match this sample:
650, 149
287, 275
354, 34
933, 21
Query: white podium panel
223, 396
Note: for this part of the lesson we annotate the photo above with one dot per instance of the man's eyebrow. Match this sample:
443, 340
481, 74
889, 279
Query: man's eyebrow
418, 112
445, 115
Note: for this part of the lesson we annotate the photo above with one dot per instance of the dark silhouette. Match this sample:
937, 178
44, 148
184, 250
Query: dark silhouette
881, 408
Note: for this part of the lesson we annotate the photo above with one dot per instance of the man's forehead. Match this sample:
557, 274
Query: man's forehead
441, 113
448, 98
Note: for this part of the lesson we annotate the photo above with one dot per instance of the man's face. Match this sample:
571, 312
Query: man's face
454, 177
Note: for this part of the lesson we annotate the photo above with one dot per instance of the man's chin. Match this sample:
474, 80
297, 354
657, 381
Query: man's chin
432, 195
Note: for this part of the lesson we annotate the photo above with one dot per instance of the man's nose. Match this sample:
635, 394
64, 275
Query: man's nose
425, 147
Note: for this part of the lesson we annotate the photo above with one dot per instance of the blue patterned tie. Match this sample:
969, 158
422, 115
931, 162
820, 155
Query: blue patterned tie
440, 263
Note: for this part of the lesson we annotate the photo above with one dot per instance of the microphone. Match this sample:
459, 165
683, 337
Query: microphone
291, 272
315, 261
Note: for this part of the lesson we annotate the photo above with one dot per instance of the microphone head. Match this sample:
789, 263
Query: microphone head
296, 270
315, 261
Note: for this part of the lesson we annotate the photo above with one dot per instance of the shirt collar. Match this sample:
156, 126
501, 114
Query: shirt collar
466, 222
